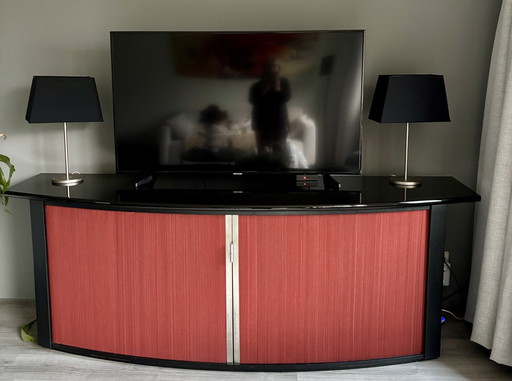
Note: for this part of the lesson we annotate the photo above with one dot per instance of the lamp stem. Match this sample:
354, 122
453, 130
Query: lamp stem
406, 159
405, 181
66, 156
67, 180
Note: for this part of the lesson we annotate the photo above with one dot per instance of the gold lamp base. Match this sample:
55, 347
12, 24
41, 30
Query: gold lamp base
402, 182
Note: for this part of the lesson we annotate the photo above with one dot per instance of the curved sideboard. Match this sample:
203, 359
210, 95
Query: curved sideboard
240, 281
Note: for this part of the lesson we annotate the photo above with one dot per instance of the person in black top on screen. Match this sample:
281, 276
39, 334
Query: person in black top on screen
268, 97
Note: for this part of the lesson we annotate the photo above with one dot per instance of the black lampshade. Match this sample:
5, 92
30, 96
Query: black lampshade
412, 98
63, 99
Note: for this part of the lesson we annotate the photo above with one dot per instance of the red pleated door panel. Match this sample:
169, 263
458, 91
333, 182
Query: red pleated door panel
139, 284
332, 288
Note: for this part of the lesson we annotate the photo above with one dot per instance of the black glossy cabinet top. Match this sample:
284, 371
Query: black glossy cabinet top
258, 192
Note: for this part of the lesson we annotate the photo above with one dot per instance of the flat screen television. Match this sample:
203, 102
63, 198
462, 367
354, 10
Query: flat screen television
236, 102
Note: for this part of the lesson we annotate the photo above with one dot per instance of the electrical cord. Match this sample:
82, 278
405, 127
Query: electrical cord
451, 313
459, 288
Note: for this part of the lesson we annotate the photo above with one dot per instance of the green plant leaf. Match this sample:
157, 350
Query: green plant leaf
5, 181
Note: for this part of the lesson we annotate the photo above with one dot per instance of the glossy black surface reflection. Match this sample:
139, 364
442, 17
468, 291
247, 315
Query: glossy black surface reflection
237, 101
273, 192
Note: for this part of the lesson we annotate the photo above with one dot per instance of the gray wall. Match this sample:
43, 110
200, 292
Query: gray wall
71, 37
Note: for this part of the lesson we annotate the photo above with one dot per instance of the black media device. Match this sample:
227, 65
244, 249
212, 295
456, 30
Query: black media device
238, 103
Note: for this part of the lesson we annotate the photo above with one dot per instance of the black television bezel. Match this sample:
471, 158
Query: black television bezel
213, 171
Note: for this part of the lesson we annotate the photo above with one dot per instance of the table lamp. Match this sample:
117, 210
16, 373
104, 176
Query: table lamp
64, 100
411, 98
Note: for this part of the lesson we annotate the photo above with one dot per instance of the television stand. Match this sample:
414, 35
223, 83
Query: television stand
262, 281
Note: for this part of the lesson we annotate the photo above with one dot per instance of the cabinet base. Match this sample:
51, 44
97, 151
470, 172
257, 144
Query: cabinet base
240, 367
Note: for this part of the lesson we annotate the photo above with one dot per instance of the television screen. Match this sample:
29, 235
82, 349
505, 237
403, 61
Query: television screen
237, 101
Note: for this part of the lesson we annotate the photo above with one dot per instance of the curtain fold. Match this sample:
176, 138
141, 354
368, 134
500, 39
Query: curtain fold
490, 294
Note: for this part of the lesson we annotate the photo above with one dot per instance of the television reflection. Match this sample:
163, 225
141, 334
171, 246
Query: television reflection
247, 101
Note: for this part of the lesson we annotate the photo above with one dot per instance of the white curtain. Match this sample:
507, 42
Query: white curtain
490, 294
